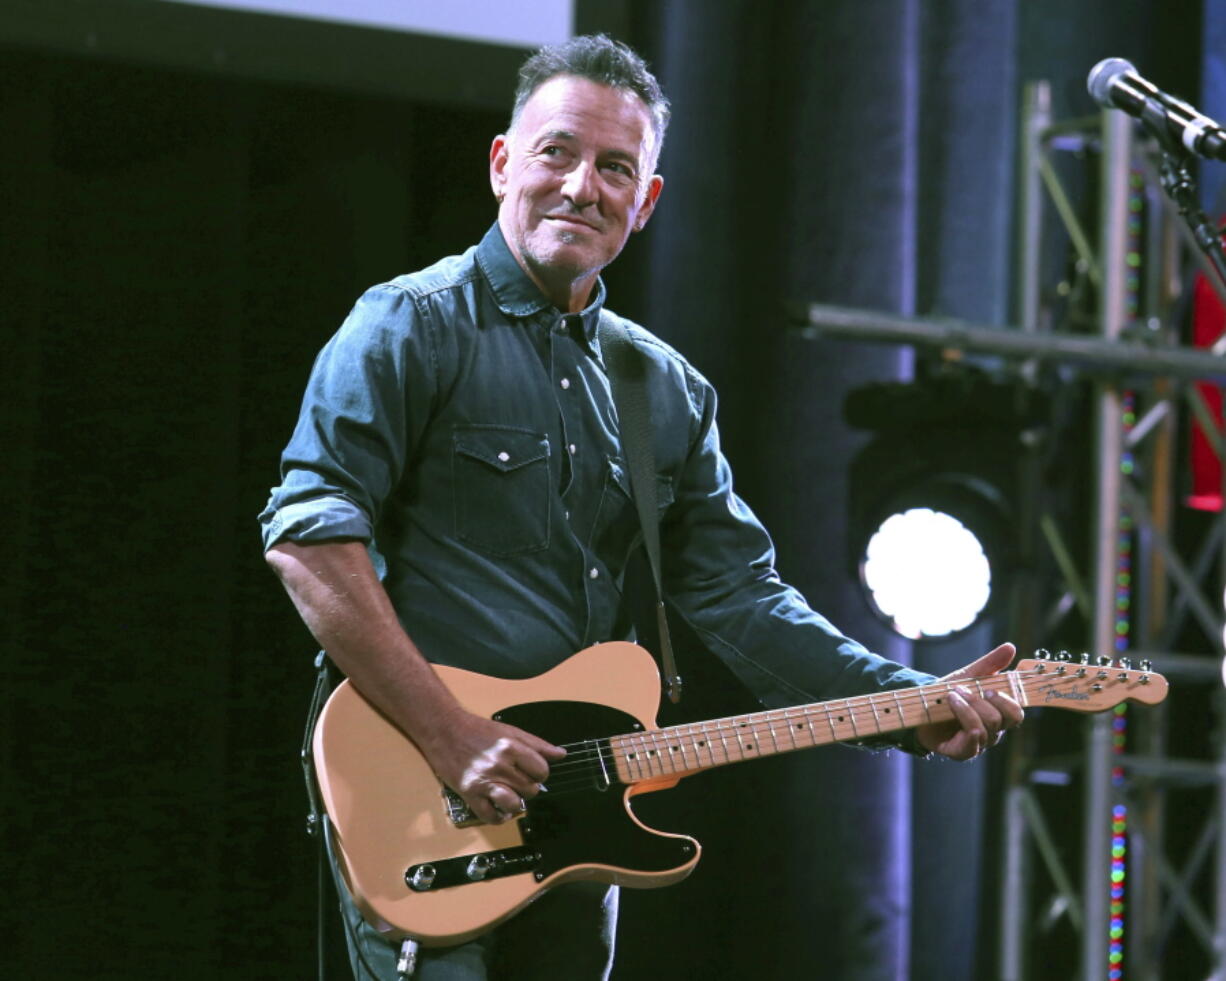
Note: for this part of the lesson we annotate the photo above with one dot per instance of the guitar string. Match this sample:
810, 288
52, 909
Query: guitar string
586, 756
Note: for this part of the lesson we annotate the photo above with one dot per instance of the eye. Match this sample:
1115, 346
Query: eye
620, 170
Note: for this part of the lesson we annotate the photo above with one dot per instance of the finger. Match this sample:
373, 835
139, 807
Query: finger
991, 718
505, 801
548, 750
542, 747
1010, 710
992, 662
966, 716
531, 769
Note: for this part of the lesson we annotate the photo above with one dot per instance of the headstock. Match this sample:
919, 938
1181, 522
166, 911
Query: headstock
1080, 686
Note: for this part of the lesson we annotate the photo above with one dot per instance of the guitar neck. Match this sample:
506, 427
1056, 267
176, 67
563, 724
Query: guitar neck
666, 754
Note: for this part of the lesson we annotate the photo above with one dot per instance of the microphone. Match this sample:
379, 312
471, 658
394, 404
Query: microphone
1115, 84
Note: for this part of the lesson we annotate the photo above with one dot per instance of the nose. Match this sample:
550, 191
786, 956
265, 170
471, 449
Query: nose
579, 185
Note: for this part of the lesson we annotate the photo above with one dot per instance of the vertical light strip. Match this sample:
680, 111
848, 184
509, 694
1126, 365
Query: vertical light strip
1123, 600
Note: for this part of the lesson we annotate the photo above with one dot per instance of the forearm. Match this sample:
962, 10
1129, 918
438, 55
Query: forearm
339, 597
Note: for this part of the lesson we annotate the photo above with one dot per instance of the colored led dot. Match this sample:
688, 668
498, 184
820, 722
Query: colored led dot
1117, 876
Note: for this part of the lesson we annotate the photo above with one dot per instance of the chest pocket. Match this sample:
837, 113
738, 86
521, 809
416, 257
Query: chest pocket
617, 522
501, 488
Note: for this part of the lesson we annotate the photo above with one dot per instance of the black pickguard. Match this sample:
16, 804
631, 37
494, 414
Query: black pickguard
587, 825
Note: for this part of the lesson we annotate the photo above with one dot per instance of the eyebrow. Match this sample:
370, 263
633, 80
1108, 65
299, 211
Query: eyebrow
567, 135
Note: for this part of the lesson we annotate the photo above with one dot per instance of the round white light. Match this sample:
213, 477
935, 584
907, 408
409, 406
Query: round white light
927, 573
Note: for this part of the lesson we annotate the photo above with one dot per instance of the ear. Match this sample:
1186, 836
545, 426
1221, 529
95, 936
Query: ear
498, 165
655, 184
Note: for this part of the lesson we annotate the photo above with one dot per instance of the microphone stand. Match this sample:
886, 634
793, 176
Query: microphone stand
1180, 186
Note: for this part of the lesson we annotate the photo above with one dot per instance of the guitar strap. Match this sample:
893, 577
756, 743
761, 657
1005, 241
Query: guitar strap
316, 818
628, 380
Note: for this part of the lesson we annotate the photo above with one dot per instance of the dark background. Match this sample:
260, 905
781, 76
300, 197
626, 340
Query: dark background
183, 229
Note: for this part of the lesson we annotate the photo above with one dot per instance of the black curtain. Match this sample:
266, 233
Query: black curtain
178, 245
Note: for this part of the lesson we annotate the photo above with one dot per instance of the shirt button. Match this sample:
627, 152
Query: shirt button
565, 383
504, 456
593, 573
572, 449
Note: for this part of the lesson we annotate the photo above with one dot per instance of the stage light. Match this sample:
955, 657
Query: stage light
926, 573
931, 530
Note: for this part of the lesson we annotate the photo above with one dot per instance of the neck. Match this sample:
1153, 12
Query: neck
567, 289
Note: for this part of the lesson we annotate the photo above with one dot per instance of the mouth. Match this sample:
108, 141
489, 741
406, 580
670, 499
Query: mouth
573, 221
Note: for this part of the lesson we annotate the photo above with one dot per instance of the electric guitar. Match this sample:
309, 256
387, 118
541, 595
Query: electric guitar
419, 864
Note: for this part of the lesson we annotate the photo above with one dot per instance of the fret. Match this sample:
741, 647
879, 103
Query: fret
851, 717
924, 703
795, 727
805, 726
903, 722
770, 727
872, 703
724, 742
705, 742
740, 739
834, 735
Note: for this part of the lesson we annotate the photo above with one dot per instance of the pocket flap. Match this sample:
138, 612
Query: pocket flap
503, 448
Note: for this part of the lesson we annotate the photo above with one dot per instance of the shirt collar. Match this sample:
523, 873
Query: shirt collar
516, 294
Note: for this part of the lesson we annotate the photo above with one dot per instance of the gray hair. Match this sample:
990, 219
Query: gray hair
598, 58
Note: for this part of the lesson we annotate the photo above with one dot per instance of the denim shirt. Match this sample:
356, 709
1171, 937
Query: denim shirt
464, 428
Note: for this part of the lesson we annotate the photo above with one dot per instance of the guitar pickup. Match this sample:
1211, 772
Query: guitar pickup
467, 869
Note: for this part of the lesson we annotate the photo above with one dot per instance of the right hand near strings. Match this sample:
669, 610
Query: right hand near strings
493, 766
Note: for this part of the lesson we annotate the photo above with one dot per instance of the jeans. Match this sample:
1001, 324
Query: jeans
567, 933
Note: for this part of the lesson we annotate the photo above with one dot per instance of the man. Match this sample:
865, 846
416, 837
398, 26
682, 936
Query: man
461, 424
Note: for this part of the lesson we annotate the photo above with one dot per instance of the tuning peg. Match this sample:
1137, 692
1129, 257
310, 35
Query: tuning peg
1085, 658
1147, 665
1065, 656
1126, 663
1042, 654
1104, 661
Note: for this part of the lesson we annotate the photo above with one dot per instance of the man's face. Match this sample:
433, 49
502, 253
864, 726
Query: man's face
573, 178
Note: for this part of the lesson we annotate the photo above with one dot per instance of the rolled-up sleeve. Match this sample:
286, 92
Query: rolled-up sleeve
720, 575
368, 397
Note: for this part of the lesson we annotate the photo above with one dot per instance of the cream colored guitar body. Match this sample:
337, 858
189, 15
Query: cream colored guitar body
390, 814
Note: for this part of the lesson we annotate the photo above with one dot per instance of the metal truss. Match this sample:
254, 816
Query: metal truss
1126, 893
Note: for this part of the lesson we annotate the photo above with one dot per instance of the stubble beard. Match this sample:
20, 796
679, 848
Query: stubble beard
551, 268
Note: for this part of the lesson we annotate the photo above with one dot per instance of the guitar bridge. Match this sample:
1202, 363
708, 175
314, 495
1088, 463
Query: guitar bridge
458, 813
